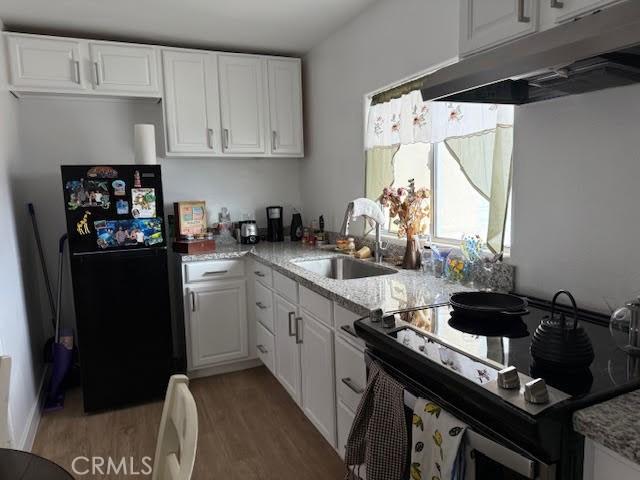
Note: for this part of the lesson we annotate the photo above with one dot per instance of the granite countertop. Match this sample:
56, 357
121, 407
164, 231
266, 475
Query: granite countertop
404, 289
614, 424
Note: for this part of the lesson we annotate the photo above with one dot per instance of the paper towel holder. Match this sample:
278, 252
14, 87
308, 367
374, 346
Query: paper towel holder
144, 144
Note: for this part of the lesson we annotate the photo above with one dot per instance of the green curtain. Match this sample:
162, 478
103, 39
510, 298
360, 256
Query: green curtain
379, 170
485, 158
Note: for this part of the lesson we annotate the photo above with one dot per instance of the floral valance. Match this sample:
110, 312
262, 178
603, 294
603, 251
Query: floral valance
408, 119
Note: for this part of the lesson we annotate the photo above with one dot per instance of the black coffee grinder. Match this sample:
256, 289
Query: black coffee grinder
275, 231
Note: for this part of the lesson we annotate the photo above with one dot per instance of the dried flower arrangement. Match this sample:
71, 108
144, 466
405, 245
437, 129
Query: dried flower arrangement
411, 207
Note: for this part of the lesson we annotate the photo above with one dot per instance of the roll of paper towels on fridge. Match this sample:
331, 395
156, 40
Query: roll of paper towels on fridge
144, 139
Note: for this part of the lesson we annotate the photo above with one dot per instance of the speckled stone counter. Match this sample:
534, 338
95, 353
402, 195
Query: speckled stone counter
614, 424
404, 289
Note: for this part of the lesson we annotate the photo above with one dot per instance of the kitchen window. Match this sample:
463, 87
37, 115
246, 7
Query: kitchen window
460, 152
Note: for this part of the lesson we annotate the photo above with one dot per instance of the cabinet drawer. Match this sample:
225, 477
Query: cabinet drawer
287, 287
351, 373
344, 319
213, 270
264, 306
317, 305
262, 272
266, 346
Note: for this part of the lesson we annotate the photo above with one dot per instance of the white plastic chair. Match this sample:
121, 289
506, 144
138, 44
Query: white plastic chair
5, 377
178, 434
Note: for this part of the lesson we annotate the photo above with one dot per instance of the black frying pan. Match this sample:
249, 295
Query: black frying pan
488, 303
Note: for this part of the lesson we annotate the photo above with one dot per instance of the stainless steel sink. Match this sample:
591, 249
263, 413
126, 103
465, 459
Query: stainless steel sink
343, 268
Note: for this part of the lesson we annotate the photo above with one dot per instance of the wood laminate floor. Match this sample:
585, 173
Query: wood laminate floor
249, 428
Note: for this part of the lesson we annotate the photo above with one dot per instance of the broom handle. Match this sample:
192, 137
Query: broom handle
63, 238
45, 272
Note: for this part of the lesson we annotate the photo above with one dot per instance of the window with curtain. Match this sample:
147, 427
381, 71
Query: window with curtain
462, 152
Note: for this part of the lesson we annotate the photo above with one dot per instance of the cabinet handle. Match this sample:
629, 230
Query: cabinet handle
193, 301
298, 336
352, 386
210, 137
349, 330
259, 274
76, 68
522, 18
262, 349
96, 70
226, 138
261, 306
557, 4
291, 332
218, 272
274, 140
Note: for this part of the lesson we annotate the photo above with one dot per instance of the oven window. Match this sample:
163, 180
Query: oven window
487, 468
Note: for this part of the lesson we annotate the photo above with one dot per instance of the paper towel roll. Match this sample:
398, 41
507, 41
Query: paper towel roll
144, 140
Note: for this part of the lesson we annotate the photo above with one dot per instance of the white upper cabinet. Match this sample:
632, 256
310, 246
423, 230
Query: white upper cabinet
285, 106
242, 103
570, 9
123, 68
48, 62
488, 23
191, 102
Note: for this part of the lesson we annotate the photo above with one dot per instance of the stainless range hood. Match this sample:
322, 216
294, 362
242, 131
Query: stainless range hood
593, 53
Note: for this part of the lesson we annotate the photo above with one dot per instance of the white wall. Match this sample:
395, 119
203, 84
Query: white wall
20, 330
389, 41
74, 130
576, 196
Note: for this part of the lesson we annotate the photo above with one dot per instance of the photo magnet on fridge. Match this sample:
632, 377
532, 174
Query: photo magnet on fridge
122, 207
87, 193
119, 188
143, 202
127, 233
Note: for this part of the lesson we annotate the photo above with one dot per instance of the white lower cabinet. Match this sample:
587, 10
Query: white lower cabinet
345, 420
218, 322
318, 395
287, 348
601, 463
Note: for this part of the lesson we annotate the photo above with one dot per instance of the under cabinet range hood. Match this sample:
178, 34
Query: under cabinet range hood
596, 52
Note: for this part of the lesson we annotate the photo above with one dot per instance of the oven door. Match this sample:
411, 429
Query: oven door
486, 459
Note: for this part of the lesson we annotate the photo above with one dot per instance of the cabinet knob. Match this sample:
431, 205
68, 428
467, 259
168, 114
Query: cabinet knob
522, 18
557, 4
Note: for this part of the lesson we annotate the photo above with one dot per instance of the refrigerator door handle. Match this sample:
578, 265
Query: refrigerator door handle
218, 272
193, 301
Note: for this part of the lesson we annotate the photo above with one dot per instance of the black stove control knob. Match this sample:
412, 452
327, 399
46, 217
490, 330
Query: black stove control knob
536, 391
508, 378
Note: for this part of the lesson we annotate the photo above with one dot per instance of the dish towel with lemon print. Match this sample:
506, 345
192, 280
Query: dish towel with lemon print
436, 443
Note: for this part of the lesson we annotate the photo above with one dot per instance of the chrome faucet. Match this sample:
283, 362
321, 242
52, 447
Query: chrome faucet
379, 247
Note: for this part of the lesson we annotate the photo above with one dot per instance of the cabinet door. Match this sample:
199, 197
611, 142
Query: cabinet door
285, 106
124, 68
318, 393
191, 102
218, 322
571, 9
287, 350
47, 63
487, 23
242, 103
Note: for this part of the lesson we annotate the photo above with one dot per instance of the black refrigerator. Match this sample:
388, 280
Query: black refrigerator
118, 256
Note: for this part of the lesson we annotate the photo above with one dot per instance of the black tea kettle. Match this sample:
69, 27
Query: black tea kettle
556, 344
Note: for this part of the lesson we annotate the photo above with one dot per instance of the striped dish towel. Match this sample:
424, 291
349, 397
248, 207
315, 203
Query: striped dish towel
378, 436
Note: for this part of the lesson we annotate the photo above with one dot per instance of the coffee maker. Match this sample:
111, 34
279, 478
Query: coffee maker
275, 231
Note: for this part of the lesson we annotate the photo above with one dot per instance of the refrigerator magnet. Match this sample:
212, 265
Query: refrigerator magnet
102, 172
82, 226
136, 179
106, 233
87, 193
143, 202
119, 188
122, 207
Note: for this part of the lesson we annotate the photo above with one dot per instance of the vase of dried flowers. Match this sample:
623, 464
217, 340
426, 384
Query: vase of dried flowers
410, 208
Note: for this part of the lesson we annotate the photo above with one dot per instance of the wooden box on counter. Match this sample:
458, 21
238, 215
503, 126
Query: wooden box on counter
191, 247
